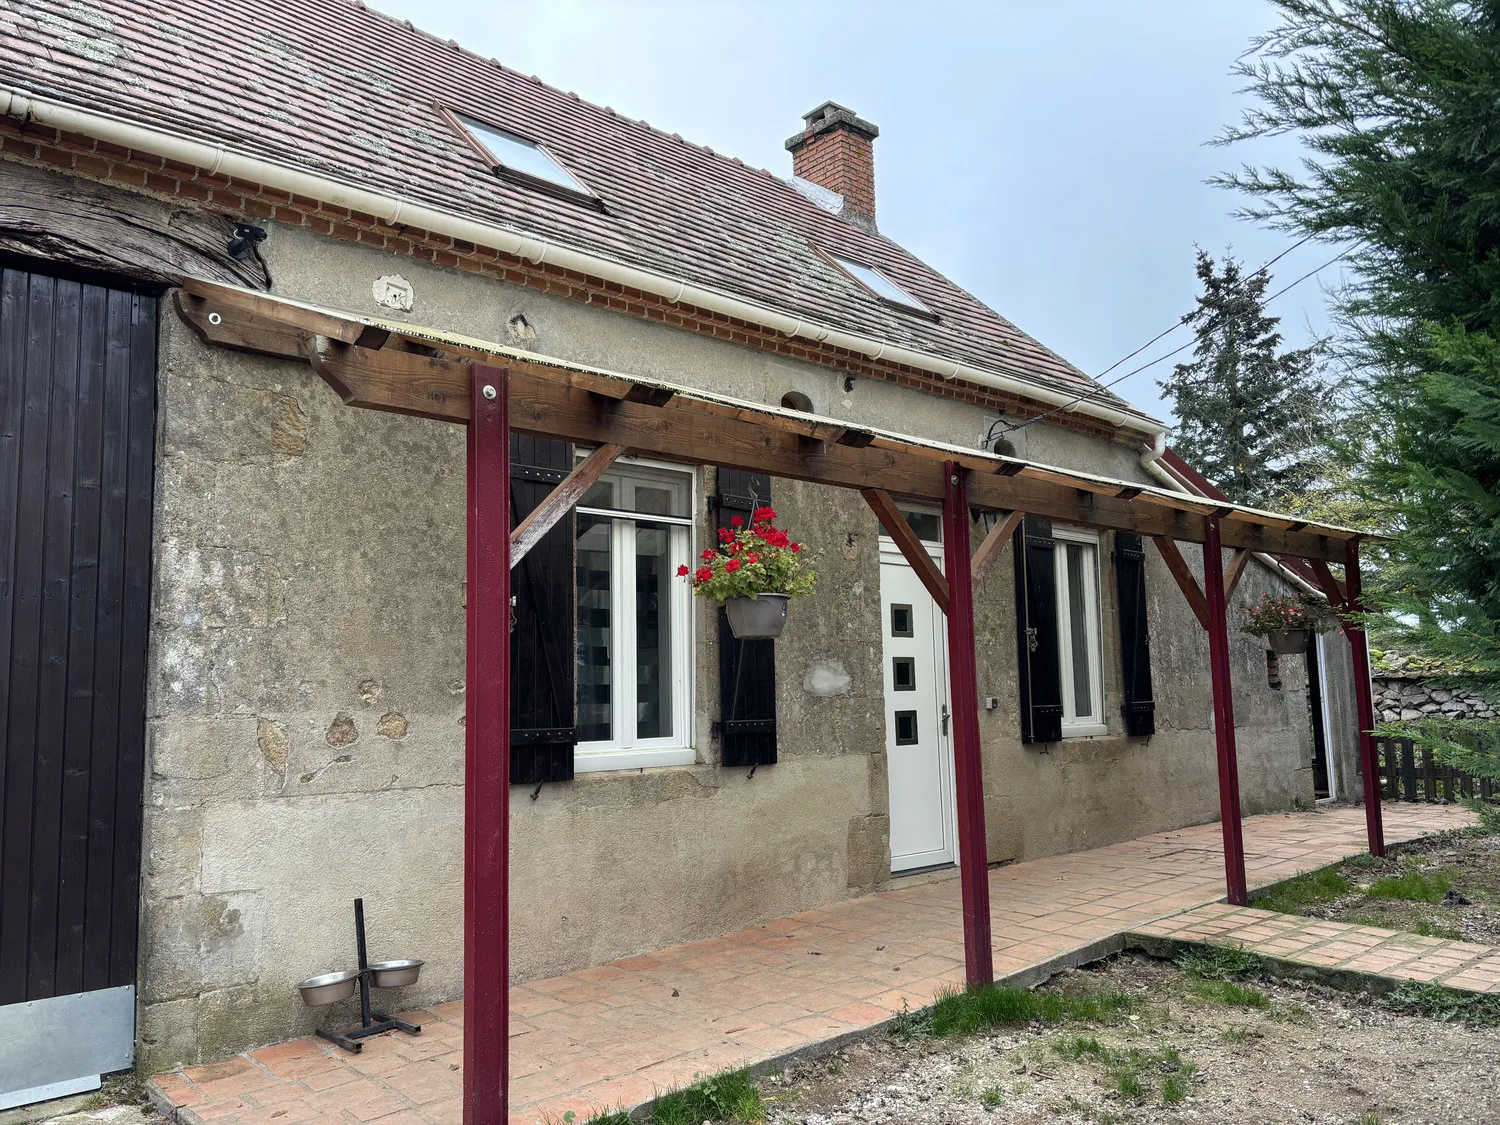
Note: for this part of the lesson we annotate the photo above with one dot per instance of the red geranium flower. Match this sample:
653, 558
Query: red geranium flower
732, 565
704, 574
736, 521
766, 513
708, 554
682, 571
796, 547
752, 557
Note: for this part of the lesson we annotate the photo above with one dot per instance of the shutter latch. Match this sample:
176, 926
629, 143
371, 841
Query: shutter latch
1031, 641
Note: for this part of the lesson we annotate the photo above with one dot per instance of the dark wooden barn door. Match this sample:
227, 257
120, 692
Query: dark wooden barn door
77, 417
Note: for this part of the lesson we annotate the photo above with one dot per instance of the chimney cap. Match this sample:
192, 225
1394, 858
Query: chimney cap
828, 117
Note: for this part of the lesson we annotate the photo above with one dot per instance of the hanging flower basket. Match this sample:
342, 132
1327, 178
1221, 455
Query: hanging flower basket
762, 617
1286, 622
1288, 642
753, 573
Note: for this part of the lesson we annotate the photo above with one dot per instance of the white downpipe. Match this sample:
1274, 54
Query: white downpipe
15, 102
1151, 460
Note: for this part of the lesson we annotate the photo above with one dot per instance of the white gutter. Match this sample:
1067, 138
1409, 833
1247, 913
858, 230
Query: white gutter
1151, 460
215, 158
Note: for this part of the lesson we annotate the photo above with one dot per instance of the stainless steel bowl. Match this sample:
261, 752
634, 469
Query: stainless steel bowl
328, 988
394, 974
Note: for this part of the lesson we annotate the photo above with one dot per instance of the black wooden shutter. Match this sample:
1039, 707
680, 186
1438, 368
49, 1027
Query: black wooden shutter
747, 669
543, 730
1036, 632
1139, 707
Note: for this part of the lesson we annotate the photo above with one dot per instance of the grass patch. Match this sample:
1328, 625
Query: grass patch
1429, 928
1173, 1090
732, 1096
1219, 962
992, 1097
1134, 1070
1312, 889
1412, 886
979, 1009
1445, 1004
910, 1026
1228, 992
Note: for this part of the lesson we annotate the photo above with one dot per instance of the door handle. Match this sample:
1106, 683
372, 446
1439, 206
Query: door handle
945, 720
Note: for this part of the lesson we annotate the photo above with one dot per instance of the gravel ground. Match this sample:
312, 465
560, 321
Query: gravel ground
1309, 1055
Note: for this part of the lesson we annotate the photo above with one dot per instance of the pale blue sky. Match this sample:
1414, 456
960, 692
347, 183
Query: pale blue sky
1047, 156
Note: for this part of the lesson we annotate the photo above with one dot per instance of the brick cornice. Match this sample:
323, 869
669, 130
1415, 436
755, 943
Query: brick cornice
237, 199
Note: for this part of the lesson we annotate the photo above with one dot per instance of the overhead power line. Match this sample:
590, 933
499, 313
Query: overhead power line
1011, 428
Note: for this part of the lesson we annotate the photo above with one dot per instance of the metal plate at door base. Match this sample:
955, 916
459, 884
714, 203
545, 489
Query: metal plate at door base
63, 1039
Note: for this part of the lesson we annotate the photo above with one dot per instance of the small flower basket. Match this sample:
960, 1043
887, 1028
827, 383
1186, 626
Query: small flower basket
753, 573
1286, 622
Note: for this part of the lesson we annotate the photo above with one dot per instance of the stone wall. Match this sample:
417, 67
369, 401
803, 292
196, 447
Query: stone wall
1407, 699
305, 735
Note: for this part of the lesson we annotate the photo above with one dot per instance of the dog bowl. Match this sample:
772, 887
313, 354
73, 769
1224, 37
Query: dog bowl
328, 988
394, 974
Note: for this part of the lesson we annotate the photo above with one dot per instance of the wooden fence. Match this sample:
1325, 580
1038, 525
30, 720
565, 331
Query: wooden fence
1409, 774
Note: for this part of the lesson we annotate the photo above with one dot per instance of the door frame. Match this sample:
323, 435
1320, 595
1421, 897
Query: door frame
890, 555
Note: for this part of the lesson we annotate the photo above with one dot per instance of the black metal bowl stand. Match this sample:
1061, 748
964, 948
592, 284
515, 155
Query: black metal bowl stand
370, 1022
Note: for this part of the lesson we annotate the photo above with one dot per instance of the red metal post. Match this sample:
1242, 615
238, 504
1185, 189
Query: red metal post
1364, 705
487, 757
968, 771
1223, 688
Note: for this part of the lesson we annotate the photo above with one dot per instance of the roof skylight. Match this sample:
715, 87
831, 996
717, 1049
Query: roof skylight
882, 286
511, 153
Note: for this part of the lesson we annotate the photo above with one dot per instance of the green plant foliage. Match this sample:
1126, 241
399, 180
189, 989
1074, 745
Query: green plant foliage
1251, 417
1395, 104
752, 558
1217, 962
729, 1097
1227, 992
1295, 895
1411, 886
1448, 1004
978, 1009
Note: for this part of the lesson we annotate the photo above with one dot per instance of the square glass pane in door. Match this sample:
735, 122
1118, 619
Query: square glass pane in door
904, 673
653, 631
901, 623
595, 626
906, 728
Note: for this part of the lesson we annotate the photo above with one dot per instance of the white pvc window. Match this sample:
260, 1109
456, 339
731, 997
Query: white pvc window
877, 283
1077, 561
520, 155
635, 637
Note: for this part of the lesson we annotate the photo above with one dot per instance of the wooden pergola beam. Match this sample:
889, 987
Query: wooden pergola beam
581, 406
1184, 576
912, 548
559, 502
1330, 585
1234, 572
996, 538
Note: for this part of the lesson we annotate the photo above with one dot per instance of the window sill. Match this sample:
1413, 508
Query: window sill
599, 761
1085, 730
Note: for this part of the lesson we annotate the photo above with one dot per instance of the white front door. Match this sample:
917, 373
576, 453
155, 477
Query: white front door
919, 759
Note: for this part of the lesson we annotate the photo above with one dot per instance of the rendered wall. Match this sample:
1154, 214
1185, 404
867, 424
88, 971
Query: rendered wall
306, 689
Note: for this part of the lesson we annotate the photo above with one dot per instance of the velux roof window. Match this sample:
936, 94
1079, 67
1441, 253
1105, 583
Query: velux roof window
521, 160
883, 287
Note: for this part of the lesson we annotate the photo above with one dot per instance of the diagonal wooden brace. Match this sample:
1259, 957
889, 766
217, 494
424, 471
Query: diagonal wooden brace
912, 548
1234, 572
560, 500
989, 550
1331, 588
1179, 568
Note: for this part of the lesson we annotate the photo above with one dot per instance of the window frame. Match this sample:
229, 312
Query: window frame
1073, 726
581, 193
913, 305
625, 751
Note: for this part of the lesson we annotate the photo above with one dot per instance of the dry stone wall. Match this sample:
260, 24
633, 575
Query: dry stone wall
1413, 698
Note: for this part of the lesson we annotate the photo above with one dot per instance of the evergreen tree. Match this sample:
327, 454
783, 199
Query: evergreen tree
1398, 105
1250, 416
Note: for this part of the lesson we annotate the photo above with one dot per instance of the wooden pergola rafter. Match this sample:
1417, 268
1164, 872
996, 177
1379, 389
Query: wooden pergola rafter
494, 390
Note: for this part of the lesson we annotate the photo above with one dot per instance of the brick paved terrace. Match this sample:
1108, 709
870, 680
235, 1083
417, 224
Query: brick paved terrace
1323, 944
611, 1035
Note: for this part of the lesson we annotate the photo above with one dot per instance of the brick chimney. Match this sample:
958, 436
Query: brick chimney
836, 151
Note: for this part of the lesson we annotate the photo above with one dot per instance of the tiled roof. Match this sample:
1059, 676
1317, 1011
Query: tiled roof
350, 93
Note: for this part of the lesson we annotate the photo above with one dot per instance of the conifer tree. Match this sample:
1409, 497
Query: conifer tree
1397, 103
1251, 417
